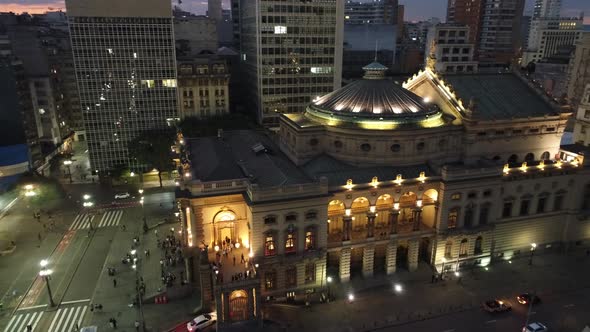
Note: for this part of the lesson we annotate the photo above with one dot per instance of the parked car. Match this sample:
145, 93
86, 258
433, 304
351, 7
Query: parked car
122, 195
526, 298
535, 327
496, 306
201, 322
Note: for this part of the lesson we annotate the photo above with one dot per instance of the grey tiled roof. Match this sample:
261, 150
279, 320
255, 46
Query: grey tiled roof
499, 96
338, 172
232, 157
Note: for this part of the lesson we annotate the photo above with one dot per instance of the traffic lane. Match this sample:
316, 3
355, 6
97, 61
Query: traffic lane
85, 279
563, 312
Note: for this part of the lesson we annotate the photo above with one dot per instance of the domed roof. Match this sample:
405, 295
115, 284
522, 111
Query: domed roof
374, 97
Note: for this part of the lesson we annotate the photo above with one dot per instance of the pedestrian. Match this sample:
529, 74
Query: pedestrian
114, 282
432, 279
136, 326
124, 228
39, 236
77, 327
234, 260
29, 328
147, 253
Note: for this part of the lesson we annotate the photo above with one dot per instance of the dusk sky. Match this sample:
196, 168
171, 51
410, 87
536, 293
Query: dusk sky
415, 9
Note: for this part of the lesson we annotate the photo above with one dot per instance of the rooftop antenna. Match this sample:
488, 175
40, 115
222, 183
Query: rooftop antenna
376, 43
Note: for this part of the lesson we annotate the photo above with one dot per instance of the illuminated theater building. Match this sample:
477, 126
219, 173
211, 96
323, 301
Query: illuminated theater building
377, 177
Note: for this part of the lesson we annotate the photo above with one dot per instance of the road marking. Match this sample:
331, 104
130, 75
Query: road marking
491, 321
66, 318
7, 207
33, 307
76, 301
82, 221
111, 218
569, 305
450, 330
19, 322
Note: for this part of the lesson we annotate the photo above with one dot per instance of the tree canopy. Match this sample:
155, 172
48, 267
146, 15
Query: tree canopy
152, 149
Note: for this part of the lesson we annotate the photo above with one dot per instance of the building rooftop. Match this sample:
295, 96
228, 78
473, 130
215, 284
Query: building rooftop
242, 154
338, 172
499, 96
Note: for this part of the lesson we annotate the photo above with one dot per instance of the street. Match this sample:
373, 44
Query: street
559, 280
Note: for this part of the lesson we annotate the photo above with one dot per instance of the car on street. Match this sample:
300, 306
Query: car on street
496, 306
122, 195
201, 322
535, 327
527, 298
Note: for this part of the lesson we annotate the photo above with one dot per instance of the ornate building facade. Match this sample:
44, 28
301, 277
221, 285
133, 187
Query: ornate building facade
375, 177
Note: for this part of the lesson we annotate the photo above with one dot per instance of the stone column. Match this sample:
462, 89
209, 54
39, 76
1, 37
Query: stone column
393, 215
368, 261
417, 215
391, 256
219, 305
345, 265
251, 299
227, 317
370, 225
347, 229
206, 279
413, 247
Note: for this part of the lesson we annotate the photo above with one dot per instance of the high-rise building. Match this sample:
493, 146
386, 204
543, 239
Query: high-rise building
547, 9
400, 21
124, 57
582, 124
377, 12
448, 49
579, 70
495, 25
214, 9
290, 54
548, 35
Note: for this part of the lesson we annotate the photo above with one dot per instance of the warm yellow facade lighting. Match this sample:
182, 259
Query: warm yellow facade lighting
375, 182
542, 165
506, 169
349, 184
523, 168
558, 164
398, 180
422, 177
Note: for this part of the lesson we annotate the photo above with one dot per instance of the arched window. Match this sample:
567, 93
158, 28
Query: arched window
270, 248
513, 159
478, 242
291, 217
484, 211
452, 218
290, 243
449, 249
310, 238
395, 148
463, 248
546, 155
420, 146
309, 272
529, 157
366, 147
468, 217
313, 142
337, 144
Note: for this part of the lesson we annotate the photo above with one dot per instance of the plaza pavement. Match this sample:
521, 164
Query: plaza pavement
116, 300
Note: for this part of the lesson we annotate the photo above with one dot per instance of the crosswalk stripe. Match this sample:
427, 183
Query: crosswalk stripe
54, 319
20, 322
111, 218
66, 319
75, 223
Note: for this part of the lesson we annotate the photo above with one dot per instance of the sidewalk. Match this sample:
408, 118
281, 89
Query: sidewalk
117, 300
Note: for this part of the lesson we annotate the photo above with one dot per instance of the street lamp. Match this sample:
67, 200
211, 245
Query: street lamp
350, 297
145, 226
68, 163
398, 288
45, 273
328, 282
87, 204
533, 247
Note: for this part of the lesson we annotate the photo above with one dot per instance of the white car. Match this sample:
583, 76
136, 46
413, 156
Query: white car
202, 322
535, 327
122, 195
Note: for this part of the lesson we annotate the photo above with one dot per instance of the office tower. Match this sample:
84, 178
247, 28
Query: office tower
448, 49
495, 25
125, 64
290, 54
547, 36
547, 8
214, 10
400, 21
381, 12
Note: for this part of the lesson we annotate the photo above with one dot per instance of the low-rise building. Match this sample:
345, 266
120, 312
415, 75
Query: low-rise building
203, 86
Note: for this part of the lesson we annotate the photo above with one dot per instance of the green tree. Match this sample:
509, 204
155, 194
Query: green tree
152, 149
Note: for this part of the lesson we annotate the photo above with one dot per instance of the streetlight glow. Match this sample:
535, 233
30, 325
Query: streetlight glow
350, 297
329, 279
86, 196
140, 191
29, 187
43, 263
533, 245
398, 288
